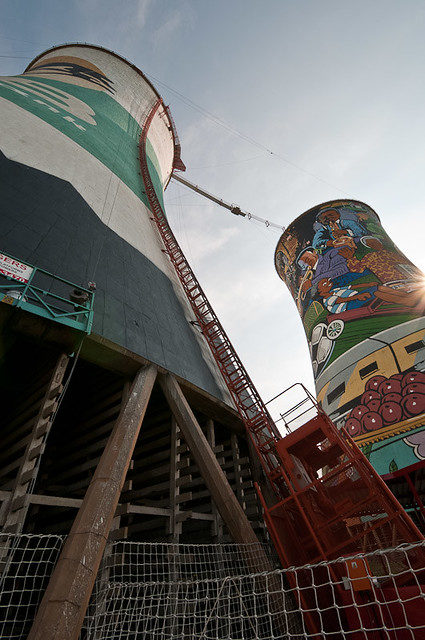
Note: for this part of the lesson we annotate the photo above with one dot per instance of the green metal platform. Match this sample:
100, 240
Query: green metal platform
30, 288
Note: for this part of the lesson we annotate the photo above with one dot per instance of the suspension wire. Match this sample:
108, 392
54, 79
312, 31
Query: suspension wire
231, 207
41, 44
224, 164
225, 125
207, 114
268, 224
222, 123
18, 57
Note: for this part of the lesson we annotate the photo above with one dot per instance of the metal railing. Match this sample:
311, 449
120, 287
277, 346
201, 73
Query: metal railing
258, 422
47, 295
295, 406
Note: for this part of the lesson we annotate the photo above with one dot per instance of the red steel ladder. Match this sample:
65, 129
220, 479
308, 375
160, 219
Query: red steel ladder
252, 410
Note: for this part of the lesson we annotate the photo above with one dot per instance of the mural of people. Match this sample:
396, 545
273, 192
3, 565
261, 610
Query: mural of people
338, 299
362, 303
385, 264
335, 229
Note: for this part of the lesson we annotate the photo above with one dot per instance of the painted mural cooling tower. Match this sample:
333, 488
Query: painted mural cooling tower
362, 304
74, 204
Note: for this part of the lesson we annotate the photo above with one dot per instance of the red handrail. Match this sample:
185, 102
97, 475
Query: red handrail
252, 410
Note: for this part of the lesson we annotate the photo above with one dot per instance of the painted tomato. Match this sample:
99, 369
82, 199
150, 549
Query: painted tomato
390, 386
373, 383
390, 412
397, 376
374, 404
414, 387
413, 376
358, 412
392, 397
371, 421
353, 427
370, 395
413, 404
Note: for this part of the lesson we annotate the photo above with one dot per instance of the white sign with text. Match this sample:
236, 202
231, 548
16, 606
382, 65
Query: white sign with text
14, 269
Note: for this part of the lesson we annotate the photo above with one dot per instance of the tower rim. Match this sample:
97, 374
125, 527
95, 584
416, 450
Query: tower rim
123, 59
318, 206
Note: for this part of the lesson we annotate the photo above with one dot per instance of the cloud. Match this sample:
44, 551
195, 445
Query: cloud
202, 243
142, 10
121, 29
163, 35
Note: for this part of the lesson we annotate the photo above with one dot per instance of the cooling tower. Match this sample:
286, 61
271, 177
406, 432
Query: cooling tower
89, 293
362, 305
125, 468
73, 202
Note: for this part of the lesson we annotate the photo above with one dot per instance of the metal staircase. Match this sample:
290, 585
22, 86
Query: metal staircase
257, 419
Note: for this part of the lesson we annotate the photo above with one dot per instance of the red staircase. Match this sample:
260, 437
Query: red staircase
330, 501
339, 507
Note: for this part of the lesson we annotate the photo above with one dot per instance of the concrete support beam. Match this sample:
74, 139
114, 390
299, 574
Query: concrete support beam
62, 610
221, 492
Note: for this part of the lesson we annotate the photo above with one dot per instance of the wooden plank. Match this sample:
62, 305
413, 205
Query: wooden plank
75, 470
197, 515
26, 415
237, 461
182, 516
174, 526
156, 444
18, 446
15, 464
155, 472
62, 610
185, 497
37, 391
92, 436
19, 432
71, 487
151, 511
185, 480
153, 457
55, 501
96, 447
118, 534
221, 492
157, 524
108, 413
15, 519
217, 528
159, 487
128, 483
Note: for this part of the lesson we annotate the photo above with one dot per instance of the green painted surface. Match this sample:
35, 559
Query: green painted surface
393, 452
357, 331
113, 139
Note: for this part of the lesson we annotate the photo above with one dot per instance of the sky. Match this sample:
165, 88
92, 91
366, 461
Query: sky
280, 105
